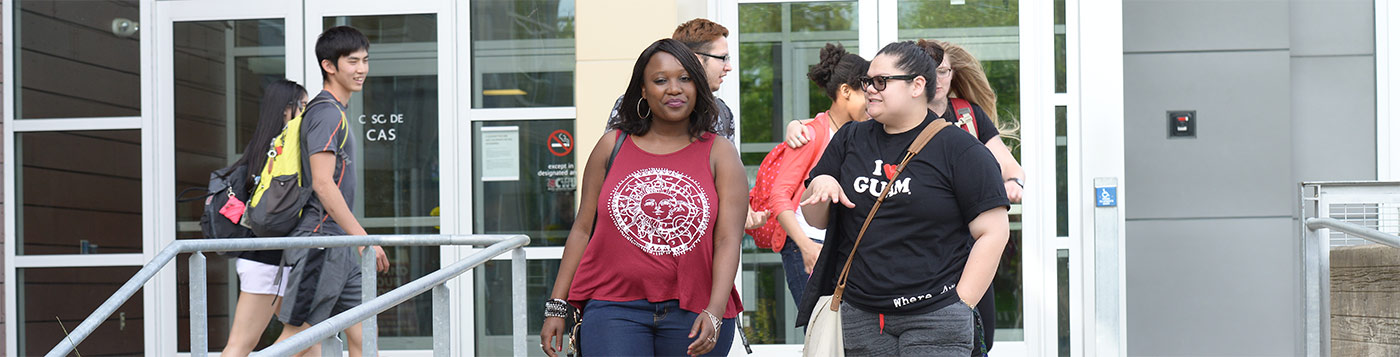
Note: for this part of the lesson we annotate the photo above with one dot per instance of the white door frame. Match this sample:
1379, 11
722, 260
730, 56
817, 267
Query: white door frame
1387, 91
162, 334
448, 160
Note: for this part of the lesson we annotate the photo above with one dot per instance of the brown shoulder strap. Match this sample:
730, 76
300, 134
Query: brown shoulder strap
914, 148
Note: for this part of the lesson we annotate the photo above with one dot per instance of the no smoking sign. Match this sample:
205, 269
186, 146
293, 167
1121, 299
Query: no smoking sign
560, 143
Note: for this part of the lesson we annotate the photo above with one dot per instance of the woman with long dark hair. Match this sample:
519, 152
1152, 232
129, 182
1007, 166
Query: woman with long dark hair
931, 249
259, 291
655, 276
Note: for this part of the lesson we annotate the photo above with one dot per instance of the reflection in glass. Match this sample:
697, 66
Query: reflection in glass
1061, 171
93, 177
1060, 49
77, 58
774, 61
1062, 310
522, 53
778, 44
532, 194
494, 316
394, 123
49, 295
220, 69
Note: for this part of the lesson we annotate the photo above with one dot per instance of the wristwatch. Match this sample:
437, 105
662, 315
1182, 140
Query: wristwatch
1018, 181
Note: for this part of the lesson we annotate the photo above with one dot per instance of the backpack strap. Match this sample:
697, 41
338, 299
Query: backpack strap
305, 150
617, 145
914, 148
962, 111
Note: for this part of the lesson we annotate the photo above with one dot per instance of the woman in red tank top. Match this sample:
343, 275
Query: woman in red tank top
653, 253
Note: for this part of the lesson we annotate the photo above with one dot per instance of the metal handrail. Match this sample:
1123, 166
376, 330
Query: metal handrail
1373, 235
1317, 278
497, 244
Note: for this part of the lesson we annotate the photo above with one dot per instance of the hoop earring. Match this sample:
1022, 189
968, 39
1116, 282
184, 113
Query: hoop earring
639, 109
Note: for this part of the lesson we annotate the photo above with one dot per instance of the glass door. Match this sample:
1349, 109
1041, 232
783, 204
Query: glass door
395, 124
216, 58
779, 40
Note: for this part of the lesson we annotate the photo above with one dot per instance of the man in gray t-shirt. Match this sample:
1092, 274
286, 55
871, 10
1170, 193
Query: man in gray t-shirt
324, 282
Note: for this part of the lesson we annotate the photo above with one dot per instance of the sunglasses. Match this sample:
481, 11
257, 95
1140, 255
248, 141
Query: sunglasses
879, 82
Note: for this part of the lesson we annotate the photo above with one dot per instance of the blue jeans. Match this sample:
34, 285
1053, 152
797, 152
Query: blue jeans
793, 269
643, 328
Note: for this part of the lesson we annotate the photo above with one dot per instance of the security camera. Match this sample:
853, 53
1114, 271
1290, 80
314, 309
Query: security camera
125, 28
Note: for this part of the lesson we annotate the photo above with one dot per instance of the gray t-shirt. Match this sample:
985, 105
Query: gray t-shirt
724, 124
324, 133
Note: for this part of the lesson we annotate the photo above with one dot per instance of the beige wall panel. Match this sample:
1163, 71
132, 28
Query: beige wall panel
612, 29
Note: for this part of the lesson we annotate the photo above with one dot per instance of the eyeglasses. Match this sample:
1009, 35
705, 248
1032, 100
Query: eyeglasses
944, 72
879, 82
300, 106
724, 58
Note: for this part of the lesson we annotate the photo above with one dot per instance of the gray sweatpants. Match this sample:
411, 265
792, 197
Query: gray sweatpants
323, 282
943, 332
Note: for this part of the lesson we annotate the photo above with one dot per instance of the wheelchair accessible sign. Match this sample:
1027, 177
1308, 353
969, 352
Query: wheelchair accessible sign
1106, 196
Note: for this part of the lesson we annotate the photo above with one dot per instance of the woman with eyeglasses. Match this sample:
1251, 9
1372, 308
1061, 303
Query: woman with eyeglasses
960, 77
935, 242
260, 291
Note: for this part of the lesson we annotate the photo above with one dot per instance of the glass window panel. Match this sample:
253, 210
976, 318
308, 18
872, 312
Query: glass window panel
49, 295
220, 70
494, 314
522, 53
1062, 311
778, 44
91, 177
1061, 171
394, 123
773, 83
1008, 286
522, 182
1060, 49
770, 311
943, 14
78, 58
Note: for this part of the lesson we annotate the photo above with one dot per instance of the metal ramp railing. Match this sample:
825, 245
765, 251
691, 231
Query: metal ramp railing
1339, 214
369, 307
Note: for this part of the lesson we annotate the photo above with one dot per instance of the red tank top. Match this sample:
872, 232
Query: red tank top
655, 234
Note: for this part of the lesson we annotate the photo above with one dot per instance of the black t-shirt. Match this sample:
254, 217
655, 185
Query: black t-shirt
986, 130
324, 134
913, 254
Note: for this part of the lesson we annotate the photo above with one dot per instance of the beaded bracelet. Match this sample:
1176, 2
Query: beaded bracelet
556, 308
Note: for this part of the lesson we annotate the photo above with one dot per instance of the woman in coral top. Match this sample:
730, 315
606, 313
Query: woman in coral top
655, 276
838, 74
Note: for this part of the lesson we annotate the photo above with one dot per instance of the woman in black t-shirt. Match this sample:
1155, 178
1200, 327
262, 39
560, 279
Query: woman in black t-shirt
935, 242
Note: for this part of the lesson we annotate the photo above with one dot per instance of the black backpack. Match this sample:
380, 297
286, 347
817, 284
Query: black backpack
225, 185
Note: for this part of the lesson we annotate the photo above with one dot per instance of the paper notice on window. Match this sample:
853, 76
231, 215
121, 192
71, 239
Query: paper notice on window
500, 153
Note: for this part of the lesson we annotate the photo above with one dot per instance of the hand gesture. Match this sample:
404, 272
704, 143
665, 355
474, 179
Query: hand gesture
755, 219
825, 189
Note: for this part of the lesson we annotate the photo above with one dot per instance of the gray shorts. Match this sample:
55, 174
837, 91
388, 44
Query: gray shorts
324, 282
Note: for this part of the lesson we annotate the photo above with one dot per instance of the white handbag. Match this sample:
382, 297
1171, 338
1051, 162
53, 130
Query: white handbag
824, 327
824, 330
